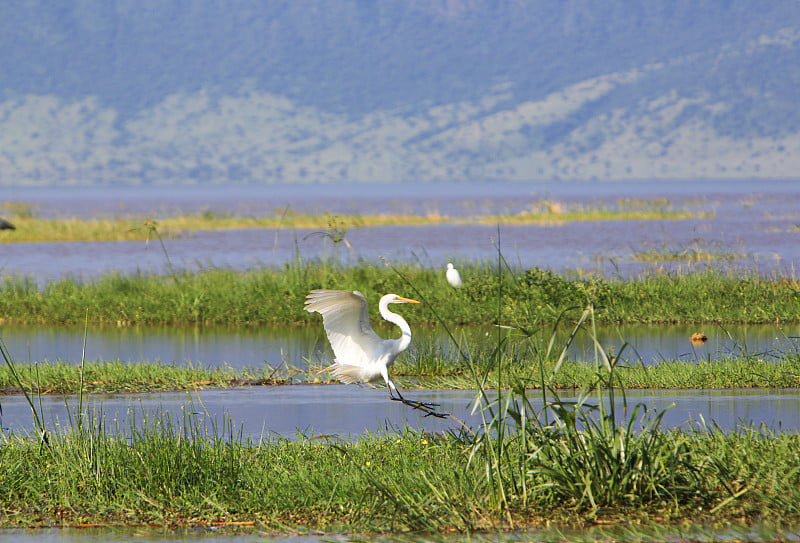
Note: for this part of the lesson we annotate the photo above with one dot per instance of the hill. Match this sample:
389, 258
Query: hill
205, 91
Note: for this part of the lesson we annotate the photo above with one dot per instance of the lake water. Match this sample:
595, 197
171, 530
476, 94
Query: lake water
756, 220
350, 411
301, 347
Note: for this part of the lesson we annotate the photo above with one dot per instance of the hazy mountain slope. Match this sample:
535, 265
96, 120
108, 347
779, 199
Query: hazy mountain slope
312, 90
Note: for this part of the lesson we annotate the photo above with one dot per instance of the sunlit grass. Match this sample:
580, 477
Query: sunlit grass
437, 372
275, 296
564, 466
119, 228
115, 376
192, 471
727, 372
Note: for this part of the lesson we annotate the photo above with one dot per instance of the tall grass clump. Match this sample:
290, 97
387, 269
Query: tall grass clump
596, 455
587, 455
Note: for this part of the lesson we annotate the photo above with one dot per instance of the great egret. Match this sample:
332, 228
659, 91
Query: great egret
361, 355
452, 275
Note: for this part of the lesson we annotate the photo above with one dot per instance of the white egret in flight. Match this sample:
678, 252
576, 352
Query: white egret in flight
452, 275
360, 354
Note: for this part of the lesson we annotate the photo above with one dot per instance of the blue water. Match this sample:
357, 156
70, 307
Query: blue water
756, 220
349, 411
301, 347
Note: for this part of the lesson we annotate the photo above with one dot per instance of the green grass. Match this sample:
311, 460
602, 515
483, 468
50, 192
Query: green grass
190, 472
275, 296
724, 373
175, 473
569, 464
116, 376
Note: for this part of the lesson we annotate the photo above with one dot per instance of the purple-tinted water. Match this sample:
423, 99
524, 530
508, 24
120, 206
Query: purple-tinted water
352, 410
759, 221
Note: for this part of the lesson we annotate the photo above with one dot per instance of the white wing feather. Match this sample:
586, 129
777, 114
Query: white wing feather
345, 317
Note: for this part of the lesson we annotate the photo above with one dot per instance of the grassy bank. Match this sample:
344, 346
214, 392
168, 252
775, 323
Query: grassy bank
411, 371
275, 296
116, 376
29, 227
171, 473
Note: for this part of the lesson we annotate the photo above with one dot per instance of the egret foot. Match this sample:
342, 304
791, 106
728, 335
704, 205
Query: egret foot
425, 407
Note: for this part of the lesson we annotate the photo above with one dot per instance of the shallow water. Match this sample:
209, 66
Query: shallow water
301, 347
758, 221
350, 411
677, 534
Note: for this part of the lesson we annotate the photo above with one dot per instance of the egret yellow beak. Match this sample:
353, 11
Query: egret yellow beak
402, 300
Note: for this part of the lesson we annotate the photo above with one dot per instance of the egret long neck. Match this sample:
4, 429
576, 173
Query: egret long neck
394, 318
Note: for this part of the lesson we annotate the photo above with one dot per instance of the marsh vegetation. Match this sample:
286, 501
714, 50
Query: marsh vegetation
567, 464
551, 463
527, 297
31, 227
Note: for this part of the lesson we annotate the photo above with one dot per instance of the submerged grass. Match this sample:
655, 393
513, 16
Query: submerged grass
697, 250
275, 296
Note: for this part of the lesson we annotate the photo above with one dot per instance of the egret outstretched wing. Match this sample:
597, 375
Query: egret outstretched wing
345, 317
361, 355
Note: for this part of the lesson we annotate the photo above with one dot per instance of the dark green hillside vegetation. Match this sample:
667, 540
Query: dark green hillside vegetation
275, 296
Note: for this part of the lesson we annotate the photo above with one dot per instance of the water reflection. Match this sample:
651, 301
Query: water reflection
299, 347
351, 411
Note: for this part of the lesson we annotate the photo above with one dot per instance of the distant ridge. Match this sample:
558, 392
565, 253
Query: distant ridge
202, 91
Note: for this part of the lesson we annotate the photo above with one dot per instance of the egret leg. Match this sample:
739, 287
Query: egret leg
425, 407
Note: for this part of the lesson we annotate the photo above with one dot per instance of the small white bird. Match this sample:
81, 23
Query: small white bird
360, 354
453, 277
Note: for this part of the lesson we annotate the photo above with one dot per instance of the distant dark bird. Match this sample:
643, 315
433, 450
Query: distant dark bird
5, 225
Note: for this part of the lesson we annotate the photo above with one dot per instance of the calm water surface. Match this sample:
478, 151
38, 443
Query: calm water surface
350, 411
758, 221
301, 347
